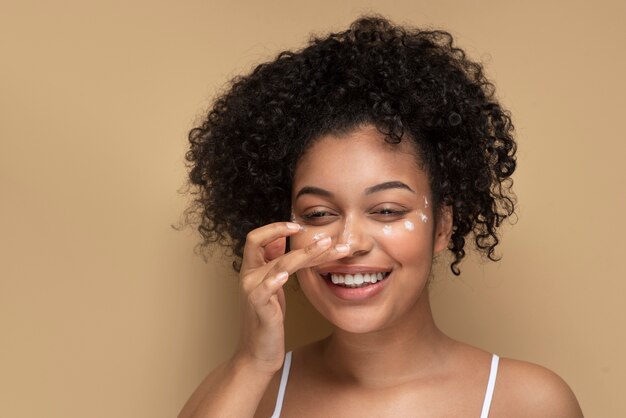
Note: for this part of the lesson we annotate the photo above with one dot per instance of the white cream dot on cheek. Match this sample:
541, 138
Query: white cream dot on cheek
408, 225
423, 216
425, 202
387, 230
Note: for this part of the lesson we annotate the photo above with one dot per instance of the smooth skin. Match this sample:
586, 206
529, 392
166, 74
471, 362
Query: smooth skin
386, 357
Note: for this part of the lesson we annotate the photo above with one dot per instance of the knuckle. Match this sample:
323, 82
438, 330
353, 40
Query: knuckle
246, 287
309, 249
279, 266
267, 285
250, 281
251, 237
254, 297
246, 278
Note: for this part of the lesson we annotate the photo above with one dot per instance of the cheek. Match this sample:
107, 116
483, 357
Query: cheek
398, 232
405, 239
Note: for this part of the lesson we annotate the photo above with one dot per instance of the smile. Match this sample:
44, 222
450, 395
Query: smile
355, 280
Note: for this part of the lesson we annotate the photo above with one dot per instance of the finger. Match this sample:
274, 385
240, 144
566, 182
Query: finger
294, 261
275, 249
281, 300
260, 298
333, 253
311, 255
257, 239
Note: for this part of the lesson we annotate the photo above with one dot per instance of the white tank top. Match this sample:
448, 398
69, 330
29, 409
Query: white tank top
483, 414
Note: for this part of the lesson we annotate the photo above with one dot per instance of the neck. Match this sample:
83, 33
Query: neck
404, 350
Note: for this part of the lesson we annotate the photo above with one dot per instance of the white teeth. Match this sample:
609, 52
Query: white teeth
357, 280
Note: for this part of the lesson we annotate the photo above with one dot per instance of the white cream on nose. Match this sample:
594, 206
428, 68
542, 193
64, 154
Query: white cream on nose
346, 235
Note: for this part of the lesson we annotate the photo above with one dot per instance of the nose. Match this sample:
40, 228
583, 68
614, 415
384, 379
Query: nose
355, 234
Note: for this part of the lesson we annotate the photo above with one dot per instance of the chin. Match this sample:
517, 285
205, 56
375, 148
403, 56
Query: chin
362, 327
355, 319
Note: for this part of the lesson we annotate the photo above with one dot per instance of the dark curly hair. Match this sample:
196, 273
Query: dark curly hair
408, 82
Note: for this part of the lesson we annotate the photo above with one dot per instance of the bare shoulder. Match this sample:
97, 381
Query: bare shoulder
528, 390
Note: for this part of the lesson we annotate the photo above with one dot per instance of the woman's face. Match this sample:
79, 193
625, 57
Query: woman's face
362, 191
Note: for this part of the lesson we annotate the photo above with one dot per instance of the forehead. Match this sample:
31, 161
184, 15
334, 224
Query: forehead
361, 157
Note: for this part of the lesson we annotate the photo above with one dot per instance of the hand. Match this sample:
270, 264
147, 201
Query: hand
265, 269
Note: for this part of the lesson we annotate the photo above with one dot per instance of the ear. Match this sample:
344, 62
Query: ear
443, 229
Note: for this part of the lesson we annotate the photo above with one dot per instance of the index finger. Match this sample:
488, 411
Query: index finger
316, 253
257, 239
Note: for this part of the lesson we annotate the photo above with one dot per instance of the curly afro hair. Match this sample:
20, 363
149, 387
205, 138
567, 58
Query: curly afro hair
409, 83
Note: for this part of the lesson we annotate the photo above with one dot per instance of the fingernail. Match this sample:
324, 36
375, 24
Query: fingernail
293, 226
319, 236
281, 277
323, 242
342, 248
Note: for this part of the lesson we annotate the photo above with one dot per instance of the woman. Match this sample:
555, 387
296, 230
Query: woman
351, 164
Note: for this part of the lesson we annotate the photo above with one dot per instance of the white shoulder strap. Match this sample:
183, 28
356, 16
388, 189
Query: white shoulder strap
490, 385
283, 385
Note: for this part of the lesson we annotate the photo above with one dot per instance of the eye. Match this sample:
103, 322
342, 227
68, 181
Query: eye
388, 213
315, 214
318, 217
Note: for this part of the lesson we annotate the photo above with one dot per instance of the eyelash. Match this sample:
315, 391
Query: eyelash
317, 214
392, 212
314, 214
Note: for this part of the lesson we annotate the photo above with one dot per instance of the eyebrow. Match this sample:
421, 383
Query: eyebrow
317, 191
388, 185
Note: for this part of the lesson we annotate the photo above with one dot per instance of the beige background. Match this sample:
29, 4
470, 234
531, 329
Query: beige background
104, 309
